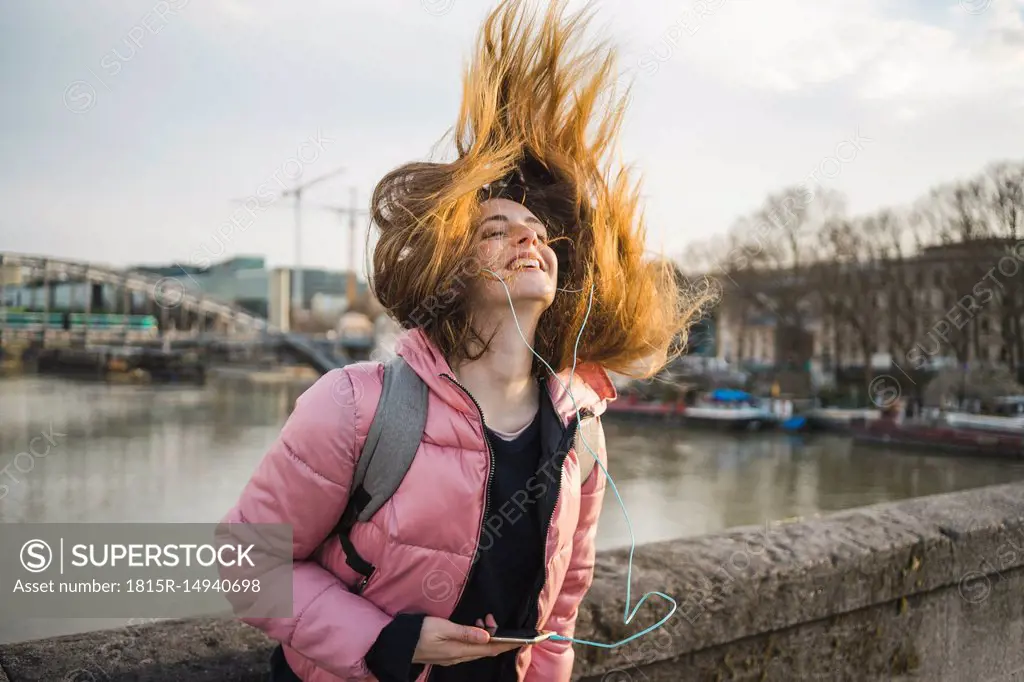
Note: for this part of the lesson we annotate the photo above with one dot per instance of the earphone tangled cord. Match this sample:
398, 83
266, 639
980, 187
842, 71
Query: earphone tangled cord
627, 616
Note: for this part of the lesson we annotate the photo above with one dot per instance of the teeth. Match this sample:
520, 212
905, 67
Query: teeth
526, 263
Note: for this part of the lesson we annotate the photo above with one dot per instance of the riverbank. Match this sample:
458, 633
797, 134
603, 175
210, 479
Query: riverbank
294, 376
119, 372
925, 590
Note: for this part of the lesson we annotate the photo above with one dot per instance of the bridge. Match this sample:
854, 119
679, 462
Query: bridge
921, 590
143, 307
167, 298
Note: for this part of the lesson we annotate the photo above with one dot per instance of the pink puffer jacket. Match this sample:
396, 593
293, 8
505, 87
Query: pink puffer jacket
422, 540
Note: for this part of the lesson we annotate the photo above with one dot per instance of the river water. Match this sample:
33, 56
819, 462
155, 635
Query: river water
119, 453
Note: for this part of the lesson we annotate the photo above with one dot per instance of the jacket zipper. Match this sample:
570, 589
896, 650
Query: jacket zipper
574, 428
428, 671
491, 467
490, 477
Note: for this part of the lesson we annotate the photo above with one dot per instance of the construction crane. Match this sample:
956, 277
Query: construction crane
353, 213
297, 191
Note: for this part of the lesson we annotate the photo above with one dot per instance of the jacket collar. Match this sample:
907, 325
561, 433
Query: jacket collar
591, 385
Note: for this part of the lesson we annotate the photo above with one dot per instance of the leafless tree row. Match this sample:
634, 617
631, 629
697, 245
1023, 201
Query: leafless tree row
934, 279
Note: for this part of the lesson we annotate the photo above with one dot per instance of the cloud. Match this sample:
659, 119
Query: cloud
788, 46
752, 97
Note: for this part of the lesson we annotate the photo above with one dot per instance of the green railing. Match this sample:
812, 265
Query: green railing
77, 321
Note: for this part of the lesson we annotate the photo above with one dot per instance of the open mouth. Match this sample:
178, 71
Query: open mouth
525, 263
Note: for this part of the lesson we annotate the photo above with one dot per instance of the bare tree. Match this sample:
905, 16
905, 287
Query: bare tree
1003, 193
1005, 189
916, 283
767, 264
849, 282
957, 216
899, 246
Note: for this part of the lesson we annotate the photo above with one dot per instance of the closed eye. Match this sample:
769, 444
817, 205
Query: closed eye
537, 225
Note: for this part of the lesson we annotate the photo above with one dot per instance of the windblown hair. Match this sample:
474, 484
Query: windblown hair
537, 107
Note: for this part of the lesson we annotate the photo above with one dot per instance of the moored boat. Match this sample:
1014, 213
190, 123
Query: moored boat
984, 422
641, 409
730, 409
725, 409
837, 419
940, 436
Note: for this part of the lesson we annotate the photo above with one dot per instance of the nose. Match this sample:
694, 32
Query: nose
523, 234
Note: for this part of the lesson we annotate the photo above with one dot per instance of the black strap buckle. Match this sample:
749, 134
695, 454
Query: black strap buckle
357, 502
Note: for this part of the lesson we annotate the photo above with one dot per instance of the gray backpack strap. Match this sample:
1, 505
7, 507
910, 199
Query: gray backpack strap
391, 444
394, 435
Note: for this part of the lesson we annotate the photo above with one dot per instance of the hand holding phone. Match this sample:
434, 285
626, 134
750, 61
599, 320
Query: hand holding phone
511, 635
519, 636
445, 643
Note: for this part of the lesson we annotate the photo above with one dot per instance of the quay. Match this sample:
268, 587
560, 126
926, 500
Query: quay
137, 324
138, 363
927, 589
277, 359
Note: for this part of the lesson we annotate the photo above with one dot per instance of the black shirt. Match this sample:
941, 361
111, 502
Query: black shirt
503, 580
511, 553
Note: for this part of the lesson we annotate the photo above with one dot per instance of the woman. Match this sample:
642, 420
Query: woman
517, 243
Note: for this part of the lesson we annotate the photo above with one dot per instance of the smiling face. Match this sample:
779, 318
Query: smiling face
512, 243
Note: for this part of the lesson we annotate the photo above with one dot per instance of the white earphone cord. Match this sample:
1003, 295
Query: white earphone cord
627, 617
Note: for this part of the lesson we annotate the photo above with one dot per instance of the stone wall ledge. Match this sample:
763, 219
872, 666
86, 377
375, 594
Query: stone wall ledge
902, 588
760, 580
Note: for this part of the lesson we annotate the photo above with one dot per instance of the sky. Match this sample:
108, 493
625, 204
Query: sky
133, 131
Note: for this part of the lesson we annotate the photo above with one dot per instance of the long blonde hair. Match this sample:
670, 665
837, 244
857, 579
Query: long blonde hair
535, 101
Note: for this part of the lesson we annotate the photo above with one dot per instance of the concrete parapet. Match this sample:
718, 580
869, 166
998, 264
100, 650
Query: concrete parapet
926, 589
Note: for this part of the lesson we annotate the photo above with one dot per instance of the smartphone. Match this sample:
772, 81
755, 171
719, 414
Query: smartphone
519, 636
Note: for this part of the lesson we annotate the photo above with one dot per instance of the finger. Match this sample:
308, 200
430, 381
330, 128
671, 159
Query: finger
491, 622
466, 634
470, 652
479, 623
495, 648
